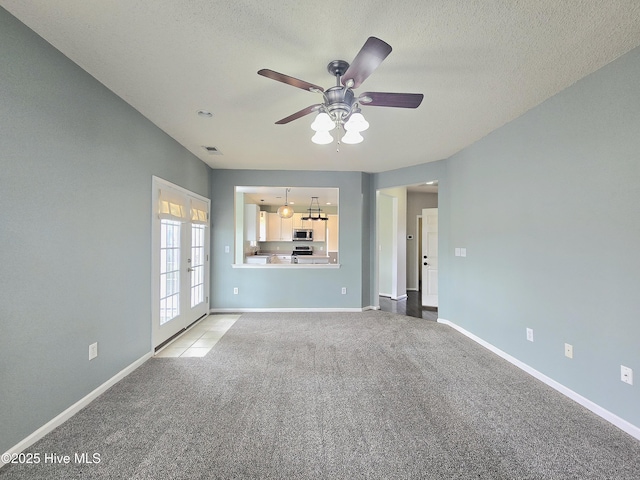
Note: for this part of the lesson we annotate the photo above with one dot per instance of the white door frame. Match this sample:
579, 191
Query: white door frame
429, 299
417, 257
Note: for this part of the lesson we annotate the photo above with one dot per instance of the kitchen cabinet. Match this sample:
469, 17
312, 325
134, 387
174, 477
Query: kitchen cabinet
332, 233
264, 220
279, 229
298, 222
286, 229
251, 222
319, 230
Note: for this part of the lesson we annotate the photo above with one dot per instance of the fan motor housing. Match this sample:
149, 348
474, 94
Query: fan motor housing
339, 100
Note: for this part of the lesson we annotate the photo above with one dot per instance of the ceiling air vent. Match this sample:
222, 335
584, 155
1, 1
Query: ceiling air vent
212, 150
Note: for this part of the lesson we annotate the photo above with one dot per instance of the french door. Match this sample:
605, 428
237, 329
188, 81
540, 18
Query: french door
180, 259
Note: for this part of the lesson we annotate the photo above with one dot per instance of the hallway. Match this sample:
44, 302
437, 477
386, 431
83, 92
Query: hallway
410, 306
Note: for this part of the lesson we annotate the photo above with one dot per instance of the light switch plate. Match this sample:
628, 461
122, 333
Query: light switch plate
93, 350
463, 252
457, 252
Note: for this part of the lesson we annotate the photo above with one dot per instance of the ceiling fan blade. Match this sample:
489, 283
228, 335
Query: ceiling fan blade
301, 113
280, 77
370, 56
382, 99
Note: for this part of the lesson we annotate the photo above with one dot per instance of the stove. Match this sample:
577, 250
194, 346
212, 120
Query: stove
302, 250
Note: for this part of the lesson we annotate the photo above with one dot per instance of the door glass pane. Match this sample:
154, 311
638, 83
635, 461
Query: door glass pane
197, 264
169, 270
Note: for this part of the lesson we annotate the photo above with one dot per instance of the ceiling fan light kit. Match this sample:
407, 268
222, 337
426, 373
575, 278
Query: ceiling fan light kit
322, 138
340, 107
352, 137
323, 123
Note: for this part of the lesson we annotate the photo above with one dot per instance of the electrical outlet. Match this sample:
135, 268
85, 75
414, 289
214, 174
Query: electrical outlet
344, 290
626, 374
235, 290
568, 350
93, 351
530, 334
226, 249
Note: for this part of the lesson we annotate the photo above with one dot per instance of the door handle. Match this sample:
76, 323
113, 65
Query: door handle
190, 269
425, 263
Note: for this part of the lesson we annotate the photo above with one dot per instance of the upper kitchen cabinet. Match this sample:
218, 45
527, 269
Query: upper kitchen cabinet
279, 229
332, 233
263, 228
251, 222
319, 230
298, 222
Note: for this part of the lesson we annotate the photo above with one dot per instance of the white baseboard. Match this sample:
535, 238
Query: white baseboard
73, 409
266, 310
258, 310
388, 295
612, 418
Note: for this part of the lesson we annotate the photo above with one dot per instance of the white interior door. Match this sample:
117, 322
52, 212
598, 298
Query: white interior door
429, 257
180, 260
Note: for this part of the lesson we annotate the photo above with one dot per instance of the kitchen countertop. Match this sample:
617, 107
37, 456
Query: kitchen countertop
266, 260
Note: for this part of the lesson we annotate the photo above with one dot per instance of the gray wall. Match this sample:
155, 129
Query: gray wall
547, 207
386, 246
296, 288
75, 228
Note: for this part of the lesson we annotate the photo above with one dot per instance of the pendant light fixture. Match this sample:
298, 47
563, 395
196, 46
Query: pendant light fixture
285, 211
315, 212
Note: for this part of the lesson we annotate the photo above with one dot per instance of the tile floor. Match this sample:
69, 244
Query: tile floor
198, 339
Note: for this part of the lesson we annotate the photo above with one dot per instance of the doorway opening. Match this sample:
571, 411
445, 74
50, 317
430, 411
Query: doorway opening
405, 259
180, 259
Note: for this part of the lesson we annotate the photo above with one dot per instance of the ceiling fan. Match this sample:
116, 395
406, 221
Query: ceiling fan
340, 107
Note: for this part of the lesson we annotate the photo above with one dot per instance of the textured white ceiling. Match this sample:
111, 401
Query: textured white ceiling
479, 64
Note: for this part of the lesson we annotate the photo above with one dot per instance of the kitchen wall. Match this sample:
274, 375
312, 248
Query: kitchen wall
299, 288
547, 208
75, 229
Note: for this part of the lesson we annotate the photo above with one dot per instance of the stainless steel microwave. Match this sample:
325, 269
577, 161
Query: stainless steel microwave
305, 234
